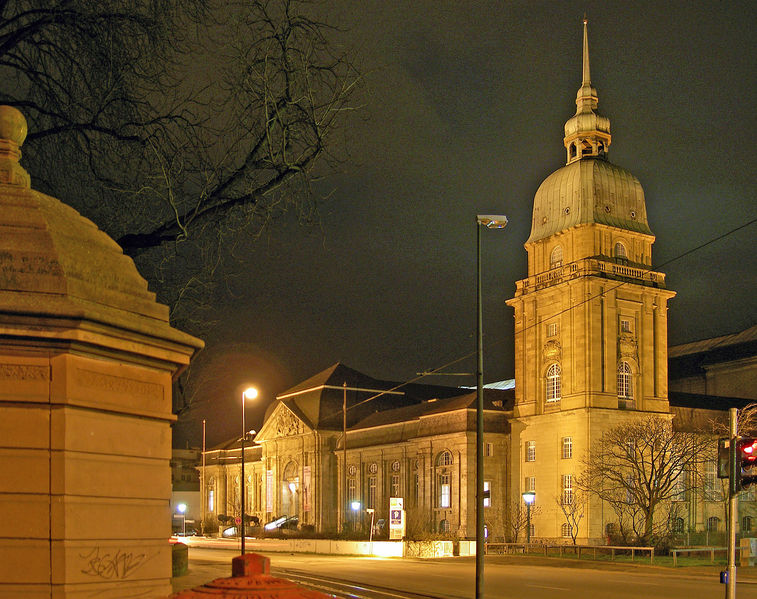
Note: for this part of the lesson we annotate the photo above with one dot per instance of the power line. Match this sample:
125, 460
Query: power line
581, 303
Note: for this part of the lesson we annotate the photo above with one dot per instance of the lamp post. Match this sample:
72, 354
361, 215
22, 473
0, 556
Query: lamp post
355, 505
249, 393
182, 508
528, 497
372, 512
490, 221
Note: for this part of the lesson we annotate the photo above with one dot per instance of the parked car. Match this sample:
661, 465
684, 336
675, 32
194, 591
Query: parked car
282, 523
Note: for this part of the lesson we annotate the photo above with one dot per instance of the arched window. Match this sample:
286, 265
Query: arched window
713, 523
444, 458
625, 382
553, 383
444, 526
555, 258
444, 479
620, 251
565, 530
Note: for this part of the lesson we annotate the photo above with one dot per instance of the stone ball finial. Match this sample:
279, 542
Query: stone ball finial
12, 125
13, 131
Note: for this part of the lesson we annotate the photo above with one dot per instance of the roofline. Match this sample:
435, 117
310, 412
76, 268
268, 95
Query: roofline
339, 387
398, 422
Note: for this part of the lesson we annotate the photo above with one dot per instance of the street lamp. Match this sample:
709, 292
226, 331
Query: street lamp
490, 221
249, 393
182, 508
528, 497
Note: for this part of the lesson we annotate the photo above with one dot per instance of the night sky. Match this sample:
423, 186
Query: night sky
463, 114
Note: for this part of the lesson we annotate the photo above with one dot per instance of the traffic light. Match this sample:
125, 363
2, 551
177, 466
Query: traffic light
746, 459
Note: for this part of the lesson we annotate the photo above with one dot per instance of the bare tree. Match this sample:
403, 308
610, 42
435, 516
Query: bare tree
639, 467
519, 517
573, 508
177, 126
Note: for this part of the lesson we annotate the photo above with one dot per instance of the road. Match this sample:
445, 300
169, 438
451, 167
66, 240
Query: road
452, 578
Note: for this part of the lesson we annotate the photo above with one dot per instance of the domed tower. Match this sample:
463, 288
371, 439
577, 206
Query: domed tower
591, 317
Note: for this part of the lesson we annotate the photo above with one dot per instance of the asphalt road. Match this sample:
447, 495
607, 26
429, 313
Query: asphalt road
453, 578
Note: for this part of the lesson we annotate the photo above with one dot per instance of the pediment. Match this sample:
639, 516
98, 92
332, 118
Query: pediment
282, 422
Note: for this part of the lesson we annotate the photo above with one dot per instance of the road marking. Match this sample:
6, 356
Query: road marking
541, 586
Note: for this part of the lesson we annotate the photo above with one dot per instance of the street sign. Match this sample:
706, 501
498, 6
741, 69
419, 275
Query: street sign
237, 520
396, 518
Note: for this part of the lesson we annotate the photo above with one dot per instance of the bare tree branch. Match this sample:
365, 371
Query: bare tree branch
639, 467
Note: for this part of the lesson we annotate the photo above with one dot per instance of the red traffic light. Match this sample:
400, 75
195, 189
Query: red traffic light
748, 449
746, 462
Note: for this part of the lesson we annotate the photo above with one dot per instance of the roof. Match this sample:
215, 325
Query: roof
590, 190
319, 400
707, 345
705, 402
494, 400
693, 359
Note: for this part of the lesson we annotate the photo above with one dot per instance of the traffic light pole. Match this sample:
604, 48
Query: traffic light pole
730, 585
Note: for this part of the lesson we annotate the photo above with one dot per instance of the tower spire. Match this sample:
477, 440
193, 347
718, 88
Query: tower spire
586, 133
586, 74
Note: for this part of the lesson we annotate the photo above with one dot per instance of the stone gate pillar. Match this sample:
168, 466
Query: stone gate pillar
87, 358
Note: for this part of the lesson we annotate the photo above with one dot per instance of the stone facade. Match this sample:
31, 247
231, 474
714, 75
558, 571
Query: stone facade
87, 360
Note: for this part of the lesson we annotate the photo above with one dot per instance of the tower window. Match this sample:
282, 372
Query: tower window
553, 383
620, 251
567, 448
555, 258
625, 384
530, 451
567, 489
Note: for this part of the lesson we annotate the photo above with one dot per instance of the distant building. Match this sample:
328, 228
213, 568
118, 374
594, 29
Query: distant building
722, 366
185, 488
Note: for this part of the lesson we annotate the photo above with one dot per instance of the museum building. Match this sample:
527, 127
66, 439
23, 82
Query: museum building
591, 353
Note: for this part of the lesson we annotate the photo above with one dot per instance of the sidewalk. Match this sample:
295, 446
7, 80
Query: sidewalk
202, 572
745, 575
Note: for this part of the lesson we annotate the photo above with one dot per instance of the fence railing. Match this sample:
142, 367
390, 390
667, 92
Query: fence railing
705, 550
561, 549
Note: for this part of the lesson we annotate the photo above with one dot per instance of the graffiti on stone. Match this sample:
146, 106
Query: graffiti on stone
112, 565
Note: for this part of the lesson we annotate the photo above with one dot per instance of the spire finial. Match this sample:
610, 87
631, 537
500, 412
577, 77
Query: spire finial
586, 74
586, 133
